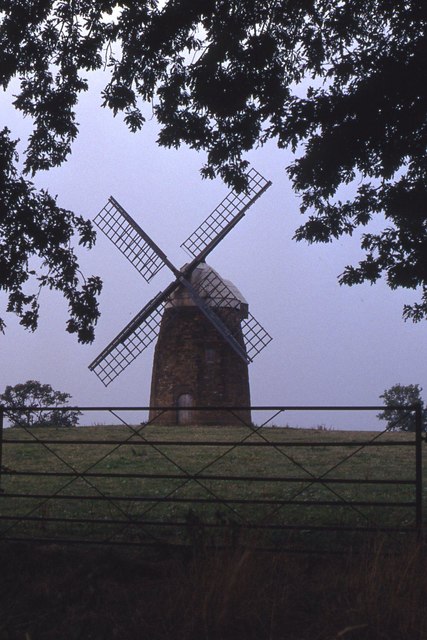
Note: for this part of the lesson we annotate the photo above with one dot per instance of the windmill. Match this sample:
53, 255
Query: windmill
206, 335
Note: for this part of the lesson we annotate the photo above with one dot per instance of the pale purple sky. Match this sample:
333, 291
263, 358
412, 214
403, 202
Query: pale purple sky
331, 345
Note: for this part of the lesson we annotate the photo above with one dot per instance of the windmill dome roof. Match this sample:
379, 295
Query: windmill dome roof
215, 290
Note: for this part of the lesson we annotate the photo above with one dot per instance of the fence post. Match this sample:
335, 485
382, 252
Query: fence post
1, 441
418, 470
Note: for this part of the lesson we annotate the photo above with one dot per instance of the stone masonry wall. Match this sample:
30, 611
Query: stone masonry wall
192, 359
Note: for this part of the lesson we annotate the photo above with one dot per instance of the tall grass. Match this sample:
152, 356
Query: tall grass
52, 593
242, 594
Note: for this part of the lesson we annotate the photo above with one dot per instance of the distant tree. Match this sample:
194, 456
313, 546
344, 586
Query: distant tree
340, 83
400, 395
23, 404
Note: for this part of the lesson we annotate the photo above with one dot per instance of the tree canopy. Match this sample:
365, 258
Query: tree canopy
342, 84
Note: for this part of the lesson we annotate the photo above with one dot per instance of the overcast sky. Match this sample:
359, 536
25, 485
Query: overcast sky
331, 345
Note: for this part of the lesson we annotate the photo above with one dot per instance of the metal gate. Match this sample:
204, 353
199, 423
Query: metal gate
272, 487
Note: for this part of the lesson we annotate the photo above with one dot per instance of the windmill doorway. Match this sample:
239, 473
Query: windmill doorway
184, 404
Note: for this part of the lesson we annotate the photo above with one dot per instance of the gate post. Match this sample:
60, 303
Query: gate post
1, 441
418, 470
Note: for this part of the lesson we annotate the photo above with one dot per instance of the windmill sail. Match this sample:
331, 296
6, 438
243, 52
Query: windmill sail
131, 341
256, 337
216, 321
130, 239
226, 215
223, 299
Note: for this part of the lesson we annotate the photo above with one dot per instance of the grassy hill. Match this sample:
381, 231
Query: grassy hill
168, 485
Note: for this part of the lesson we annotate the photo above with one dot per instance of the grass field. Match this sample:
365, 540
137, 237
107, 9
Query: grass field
202, 485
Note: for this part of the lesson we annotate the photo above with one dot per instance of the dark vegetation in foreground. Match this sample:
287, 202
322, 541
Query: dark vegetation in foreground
98, 593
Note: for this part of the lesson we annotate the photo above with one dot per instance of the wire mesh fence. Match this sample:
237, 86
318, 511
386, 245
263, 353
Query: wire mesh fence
132, 482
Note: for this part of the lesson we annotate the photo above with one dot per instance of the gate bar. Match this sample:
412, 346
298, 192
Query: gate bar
1, 442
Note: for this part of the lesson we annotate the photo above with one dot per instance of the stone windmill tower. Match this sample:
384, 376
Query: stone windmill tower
193, 364
205, 334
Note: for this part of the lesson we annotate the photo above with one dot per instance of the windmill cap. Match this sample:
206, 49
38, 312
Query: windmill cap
216, 291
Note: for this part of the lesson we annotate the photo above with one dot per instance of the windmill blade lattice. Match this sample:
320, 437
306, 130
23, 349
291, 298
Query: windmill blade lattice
215, 319
226, 215
217, 294
256, 337
222, 300
129, 238
141, 331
